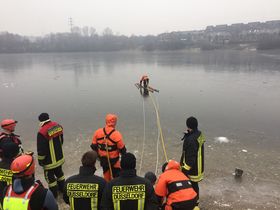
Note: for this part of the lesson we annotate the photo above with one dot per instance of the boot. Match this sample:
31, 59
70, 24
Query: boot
61, 185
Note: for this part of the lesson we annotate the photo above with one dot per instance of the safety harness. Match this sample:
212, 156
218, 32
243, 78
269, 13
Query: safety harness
178, 185
104, 146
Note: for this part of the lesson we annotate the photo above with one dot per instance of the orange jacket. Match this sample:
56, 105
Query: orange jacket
174, 185
110, 137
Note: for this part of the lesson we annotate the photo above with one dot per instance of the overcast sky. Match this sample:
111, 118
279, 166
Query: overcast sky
139, 17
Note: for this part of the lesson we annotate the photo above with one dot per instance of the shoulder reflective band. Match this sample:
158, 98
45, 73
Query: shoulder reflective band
54, 131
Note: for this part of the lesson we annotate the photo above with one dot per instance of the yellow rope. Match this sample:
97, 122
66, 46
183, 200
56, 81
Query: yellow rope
108, 158
160, 130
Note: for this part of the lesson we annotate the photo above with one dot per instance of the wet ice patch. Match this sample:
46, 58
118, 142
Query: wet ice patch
221, 139
8, 85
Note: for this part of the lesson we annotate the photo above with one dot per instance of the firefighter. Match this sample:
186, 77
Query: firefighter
176, 188
50, 153
108, 143
10, 151
25, 193
192, 159
129, 191
144, 81
8, 126
84, 190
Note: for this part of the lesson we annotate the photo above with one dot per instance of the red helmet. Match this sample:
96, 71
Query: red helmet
8, 124
23, 165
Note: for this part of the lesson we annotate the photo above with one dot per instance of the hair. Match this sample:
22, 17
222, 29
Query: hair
128, 161
192, 123
89, 159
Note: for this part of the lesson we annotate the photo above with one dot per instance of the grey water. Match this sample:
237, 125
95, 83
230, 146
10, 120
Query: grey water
234, 94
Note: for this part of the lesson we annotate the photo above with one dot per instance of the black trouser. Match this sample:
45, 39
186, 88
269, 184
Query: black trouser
196, 189
55, 179
146, 83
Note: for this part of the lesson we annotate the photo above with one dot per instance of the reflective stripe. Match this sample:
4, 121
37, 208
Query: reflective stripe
53, 184
27, 194
53, 158
10, 192
41, 157
72, 207
117, 204
55, 165
185, 165
199, 161
200, 174
196, 178
94, 203
141, 204
61, 178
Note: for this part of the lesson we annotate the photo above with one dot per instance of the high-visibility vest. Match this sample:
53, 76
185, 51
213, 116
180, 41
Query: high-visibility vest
13, 201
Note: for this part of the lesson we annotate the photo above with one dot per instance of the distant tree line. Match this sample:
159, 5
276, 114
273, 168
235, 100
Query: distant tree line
82, 41
86, 39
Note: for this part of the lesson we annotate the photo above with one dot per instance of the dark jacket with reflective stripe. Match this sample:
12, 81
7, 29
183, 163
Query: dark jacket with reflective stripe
49, 145
84, 190
192, 159
129, 192
8, 138
5, 174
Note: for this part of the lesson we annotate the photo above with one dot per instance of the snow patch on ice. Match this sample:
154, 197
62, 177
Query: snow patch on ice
222, 139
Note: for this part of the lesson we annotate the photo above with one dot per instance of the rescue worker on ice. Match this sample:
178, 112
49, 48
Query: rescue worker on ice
50, 153
10, 152
144, 81
8, 126
108, 143
192, 159
84, 190
25, 193
176, 188
129, 191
